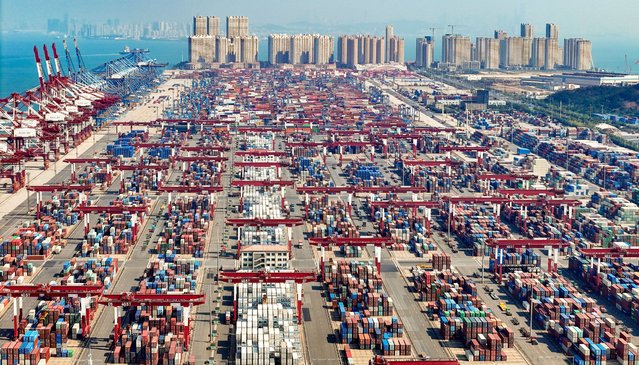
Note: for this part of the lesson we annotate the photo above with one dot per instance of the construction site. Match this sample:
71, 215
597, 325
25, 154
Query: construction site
304, 216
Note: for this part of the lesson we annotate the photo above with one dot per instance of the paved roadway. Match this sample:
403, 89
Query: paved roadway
321, 339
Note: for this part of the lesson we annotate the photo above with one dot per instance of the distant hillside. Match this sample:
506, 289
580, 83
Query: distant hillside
615, 100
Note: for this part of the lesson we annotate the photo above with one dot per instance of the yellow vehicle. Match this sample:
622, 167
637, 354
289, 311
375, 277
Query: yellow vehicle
502, 306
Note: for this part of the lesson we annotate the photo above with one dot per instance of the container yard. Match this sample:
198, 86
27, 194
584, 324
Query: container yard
314, 216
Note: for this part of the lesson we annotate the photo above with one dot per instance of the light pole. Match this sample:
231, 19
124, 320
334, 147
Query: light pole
483, 254
28, 195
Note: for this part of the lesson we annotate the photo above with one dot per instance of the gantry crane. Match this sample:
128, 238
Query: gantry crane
299, 277
150, 300
501, 243
613, 252
259, 222
108, 162
350, 189
378, 242
18, 291
39, 189
412, 204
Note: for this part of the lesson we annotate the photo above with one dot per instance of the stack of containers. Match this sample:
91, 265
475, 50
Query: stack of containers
462, 314
60, 207
261, 202
266, 327
155, 334
366, 174
35, 238
94, 174
92, 271
618, 209
441, 261
355, 291
123, 146
536, 223
596, 228
572, 318
407, 230
14, 269
617, 282
186, 225
312, 172
262, 236
330, 220
115, 233
351, 251
161, 152
516, 260
201, 173
58, 320
142, 181
26, 350
262, 141
475, 224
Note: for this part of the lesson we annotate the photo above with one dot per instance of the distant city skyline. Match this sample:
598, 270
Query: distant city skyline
410, 18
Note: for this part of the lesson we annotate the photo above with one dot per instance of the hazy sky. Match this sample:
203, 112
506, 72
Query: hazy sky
608, 19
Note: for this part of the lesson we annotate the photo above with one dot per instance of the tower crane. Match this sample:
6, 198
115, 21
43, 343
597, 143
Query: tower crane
432, 30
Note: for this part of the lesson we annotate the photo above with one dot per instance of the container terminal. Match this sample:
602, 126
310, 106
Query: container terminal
305, 216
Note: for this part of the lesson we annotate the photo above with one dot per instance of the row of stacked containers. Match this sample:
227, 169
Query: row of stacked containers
573, 319
366, 313
462, 315
267, 329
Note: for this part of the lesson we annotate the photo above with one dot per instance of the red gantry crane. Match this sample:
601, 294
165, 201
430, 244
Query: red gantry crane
350, 189
259, 222
427, 204
39, 189
612, 252
299, 277
151, 300
351, 241
541, 243
478, 149
106, 161
18, 291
